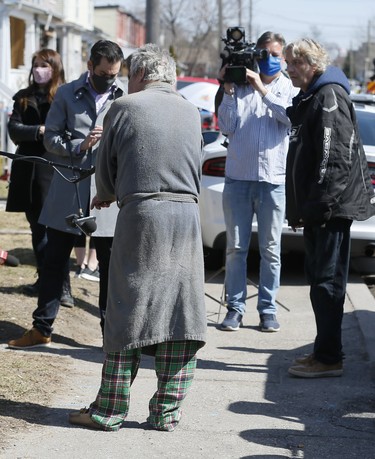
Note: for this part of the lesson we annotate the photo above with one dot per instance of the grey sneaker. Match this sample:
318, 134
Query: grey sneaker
232, 321
268, 323
90, 275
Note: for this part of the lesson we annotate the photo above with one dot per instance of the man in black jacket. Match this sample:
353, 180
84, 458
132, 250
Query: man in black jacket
328, 186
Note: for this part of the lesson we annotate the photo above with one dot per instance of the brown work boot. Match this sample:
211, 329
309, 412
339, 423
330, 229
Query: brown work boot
315, 369
303, 360
82, 418
32, 338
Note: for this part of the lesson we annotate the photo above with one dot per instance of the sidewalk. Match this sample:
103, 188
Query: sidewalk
243, 403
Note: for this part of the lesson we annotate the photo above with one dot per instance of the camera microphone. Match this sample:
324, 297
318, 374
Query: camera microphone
86, 224
224, 54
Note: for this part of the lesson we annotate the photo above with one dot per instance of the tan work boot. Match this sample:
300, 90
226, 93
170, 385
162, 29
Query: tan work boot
303, 360
82, 418
32, 338
315, 369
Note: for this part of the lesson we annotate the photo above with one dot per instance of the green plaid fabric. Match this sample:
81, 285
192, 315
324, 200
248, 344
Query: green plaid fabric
175, 363
112, 402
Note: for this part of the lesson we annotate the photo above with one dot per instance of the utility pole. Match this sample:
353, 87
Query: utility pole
351, 62
251, 21
368, 52
220, 24
153, 21
240, 13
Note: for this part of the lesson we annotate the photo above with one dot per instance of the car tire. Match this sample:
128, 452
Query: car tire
213, 259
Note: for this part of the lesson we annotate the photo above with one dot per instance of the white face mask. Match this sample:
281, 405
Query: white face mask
42, 75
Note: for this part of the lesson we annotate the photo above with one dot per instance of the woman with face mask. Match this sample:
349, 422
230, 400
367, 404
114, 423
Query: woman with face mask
29, 182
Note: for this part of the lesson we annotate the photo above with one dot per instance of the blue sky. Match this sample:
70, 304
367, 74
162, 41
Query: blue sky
344, 22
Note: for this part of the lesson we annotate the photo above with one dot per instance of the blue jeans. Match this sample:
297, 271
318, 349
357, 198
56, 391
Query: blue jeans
241, 201
327, 264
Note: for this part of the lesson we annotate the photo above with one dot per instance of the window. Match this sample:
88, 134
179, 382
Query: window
17, 42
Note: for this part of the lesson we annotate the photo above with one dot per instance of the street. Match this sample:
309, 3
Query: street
243, 403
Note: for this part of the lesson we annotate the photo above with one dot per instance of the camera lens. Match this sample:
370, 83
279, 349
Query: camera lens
235, 33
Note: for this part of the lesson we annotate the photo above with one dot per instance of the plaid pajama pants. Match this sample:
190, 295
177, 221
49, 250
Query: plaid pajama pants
175, 363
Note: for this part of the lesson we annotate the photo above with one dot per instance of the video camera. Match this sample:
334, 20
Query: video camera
240, 55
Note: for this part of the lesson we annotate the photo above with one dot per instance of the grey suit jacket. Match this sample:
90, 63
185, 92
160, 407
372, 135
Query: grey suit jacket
71, 116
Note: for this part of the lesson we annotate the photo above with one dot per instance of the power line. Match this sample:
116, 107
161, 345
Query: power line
271, 15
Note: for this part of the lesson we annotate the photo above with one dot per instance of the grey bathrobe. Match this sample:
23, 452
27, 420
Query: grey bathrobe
149, 160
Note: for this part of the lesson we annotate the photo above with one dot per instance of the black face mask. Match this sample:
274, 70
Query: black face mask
102, 83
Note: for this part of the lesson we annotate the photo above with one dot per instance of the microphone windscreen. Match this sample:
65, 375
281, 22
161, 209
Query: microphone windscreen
89, 226
11, 260
224, 54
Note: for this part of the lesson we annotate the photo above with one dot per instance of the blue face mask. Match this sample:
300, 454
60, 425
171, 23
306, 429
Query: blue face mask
270, 66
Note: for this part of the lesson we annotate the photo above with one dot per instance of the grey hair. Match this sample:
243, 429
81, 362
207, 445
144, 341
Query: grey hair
310, 50
157, 63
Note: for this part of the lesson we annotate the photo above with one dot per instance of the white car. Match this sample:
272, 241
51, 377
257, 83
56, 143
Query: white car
212, 218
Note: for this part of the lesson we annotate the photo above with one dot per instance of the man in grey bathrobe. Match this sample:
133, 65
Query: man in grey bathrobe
149, 161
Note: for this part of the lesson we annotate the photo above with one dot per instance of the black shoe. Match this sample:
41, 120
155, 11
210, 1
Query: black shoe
232, 321
67, 300
268, 323
78, 272
31, 290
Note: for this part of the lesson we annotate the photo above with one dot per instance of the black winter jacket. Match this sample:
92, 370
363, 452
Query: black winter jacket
28, 181
326, 174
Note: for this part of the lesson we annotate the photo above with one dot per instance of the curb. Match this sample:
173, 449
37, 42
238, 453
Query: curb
363, 304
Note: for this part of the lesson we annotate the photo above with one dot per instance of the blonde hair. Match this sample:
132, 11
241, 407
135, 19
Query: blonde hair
310, 50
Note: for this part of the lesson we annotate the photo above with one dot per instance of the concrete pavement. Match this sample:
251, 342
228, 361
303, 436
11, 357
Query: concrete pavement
243, 403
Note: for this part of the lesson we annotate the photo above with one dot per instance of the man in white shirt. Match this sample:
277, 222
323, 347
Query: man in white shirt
253, 115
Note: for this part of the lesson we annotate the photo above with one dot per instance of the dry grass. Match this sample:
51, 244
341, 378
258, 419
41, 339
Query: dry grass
29, 380
3, 189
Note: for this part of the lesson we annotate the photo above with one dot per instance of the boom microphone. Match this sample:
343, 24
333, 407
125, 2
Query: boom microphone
82, 173
86, 224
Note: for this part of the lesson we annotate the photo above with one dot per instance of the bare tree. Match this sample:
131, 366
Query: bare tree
316, 33
172, 15
187, 29
205, 22
191, 30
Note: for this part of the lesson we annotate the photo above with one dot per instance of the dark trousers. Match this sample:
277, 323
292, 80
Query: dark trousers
52, 275
103, 246
38, 235
39, 242
327, 265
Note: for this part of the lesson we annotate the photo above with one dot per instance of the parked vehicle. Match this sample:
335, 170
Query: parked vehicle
212, 218
185, 81
202, 94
